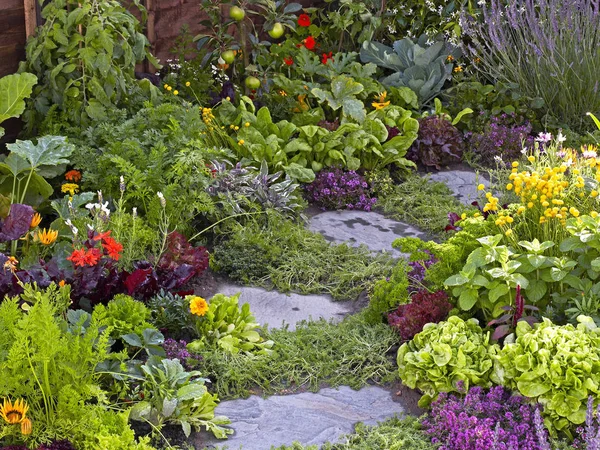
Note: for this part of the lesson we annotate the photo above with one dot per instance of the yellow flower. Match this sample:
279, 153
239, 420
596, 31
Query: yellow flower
166, 86
247, 124
70, 188
47, 237
13, 413
515, 164
458, 69
480, 187
283, 93
531, 158
594, 214
241, 142
175, 92
380, 102
509, 186
508, 232
35, 221
26, 426
169, 88
198, 306
187, 83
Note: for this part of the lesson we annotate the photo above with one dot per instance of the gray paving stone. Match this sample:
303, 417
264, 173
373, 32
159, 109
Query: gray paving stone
274, 308
462, 182
309, 418
361, 227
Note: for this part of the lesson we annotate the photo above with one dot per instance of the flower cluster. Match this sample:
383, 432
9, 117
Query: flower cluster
90, 255
418, 269
482, 420
16, 413
178, 350
501, 141
425, 307
339, 189
551, 186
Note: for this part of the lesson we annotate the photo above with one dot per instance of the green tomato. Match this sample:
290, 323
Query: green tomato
277, 31
228, 56
237, 13
252, 83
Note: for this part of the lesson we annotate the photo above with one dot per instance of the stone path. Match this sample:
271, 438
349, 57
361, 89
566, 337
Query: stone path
462, 182
316, 418
361, 227
274, 308
309, 418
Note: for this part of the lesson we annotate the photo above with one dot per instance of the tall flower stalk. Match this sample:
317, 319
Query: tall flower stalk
549, 48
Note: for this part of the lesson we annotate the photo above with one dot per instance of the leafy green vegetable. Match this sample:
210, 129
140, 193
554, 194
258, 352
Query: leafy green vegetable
557, 366
450, 356
230, 328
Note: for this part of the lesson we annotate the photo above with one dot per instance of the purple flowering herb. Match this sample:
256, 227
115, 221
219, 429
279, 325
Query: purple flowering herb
336, 188
178, 350
482, 420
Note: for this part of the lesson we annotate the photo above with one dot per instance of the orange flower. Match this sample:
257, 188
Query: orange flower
26, 426
62, 283
35, 221
11, 264
92, 256
112, 247
73, 175
198, 306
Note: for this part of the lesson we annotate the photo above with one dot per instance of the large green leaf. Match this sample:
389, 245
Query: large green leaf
13, 90
49, 151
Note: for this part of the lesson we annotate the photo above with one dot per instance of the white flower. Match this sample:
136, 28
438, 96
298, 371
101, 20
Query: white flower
498, 159
134, 212
161, 197
544, 137
73, 228
481, 3
589, 154
560, 138
524, 151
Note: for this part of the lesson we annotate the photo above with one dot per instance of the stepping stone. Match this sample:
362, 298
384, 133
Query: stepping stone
463, 183
363, 227
275, 309
309, 418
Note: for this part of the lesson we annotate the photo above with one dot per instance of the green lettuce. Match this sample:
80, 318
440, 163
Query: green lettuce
449, 356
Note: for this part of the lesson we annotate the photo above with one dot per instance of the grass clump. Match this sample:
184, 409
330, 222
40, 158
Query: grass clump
393, 434
351, 353
422, 203
285, 255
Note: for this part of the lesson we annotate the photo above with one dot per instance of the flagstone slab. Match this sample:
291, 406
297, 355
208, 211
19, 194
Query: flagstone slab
462, 182
276, 309
370, 228
309, 418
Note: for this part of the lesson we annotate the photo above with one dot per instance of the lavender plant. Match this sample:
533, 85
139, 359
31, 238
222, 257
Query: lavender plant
549, 48
339, 189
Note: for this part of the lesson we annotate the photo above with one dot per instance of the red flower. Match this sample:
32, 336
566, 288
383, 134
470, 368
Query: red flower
102, 236
77, 257
309, 43
326, 57
304, 20
112, 247
288, 61
83, 257
92, 256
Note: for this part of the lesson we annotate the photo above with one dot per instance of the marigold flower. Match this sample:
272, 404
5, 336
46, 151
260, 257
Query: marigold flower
35, 221
73, 175
198, 306
304, 20
69, 188
13, 413
47, 237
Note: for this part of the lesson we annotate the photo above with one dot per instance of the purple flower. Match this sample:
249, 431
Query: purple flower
338, 189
